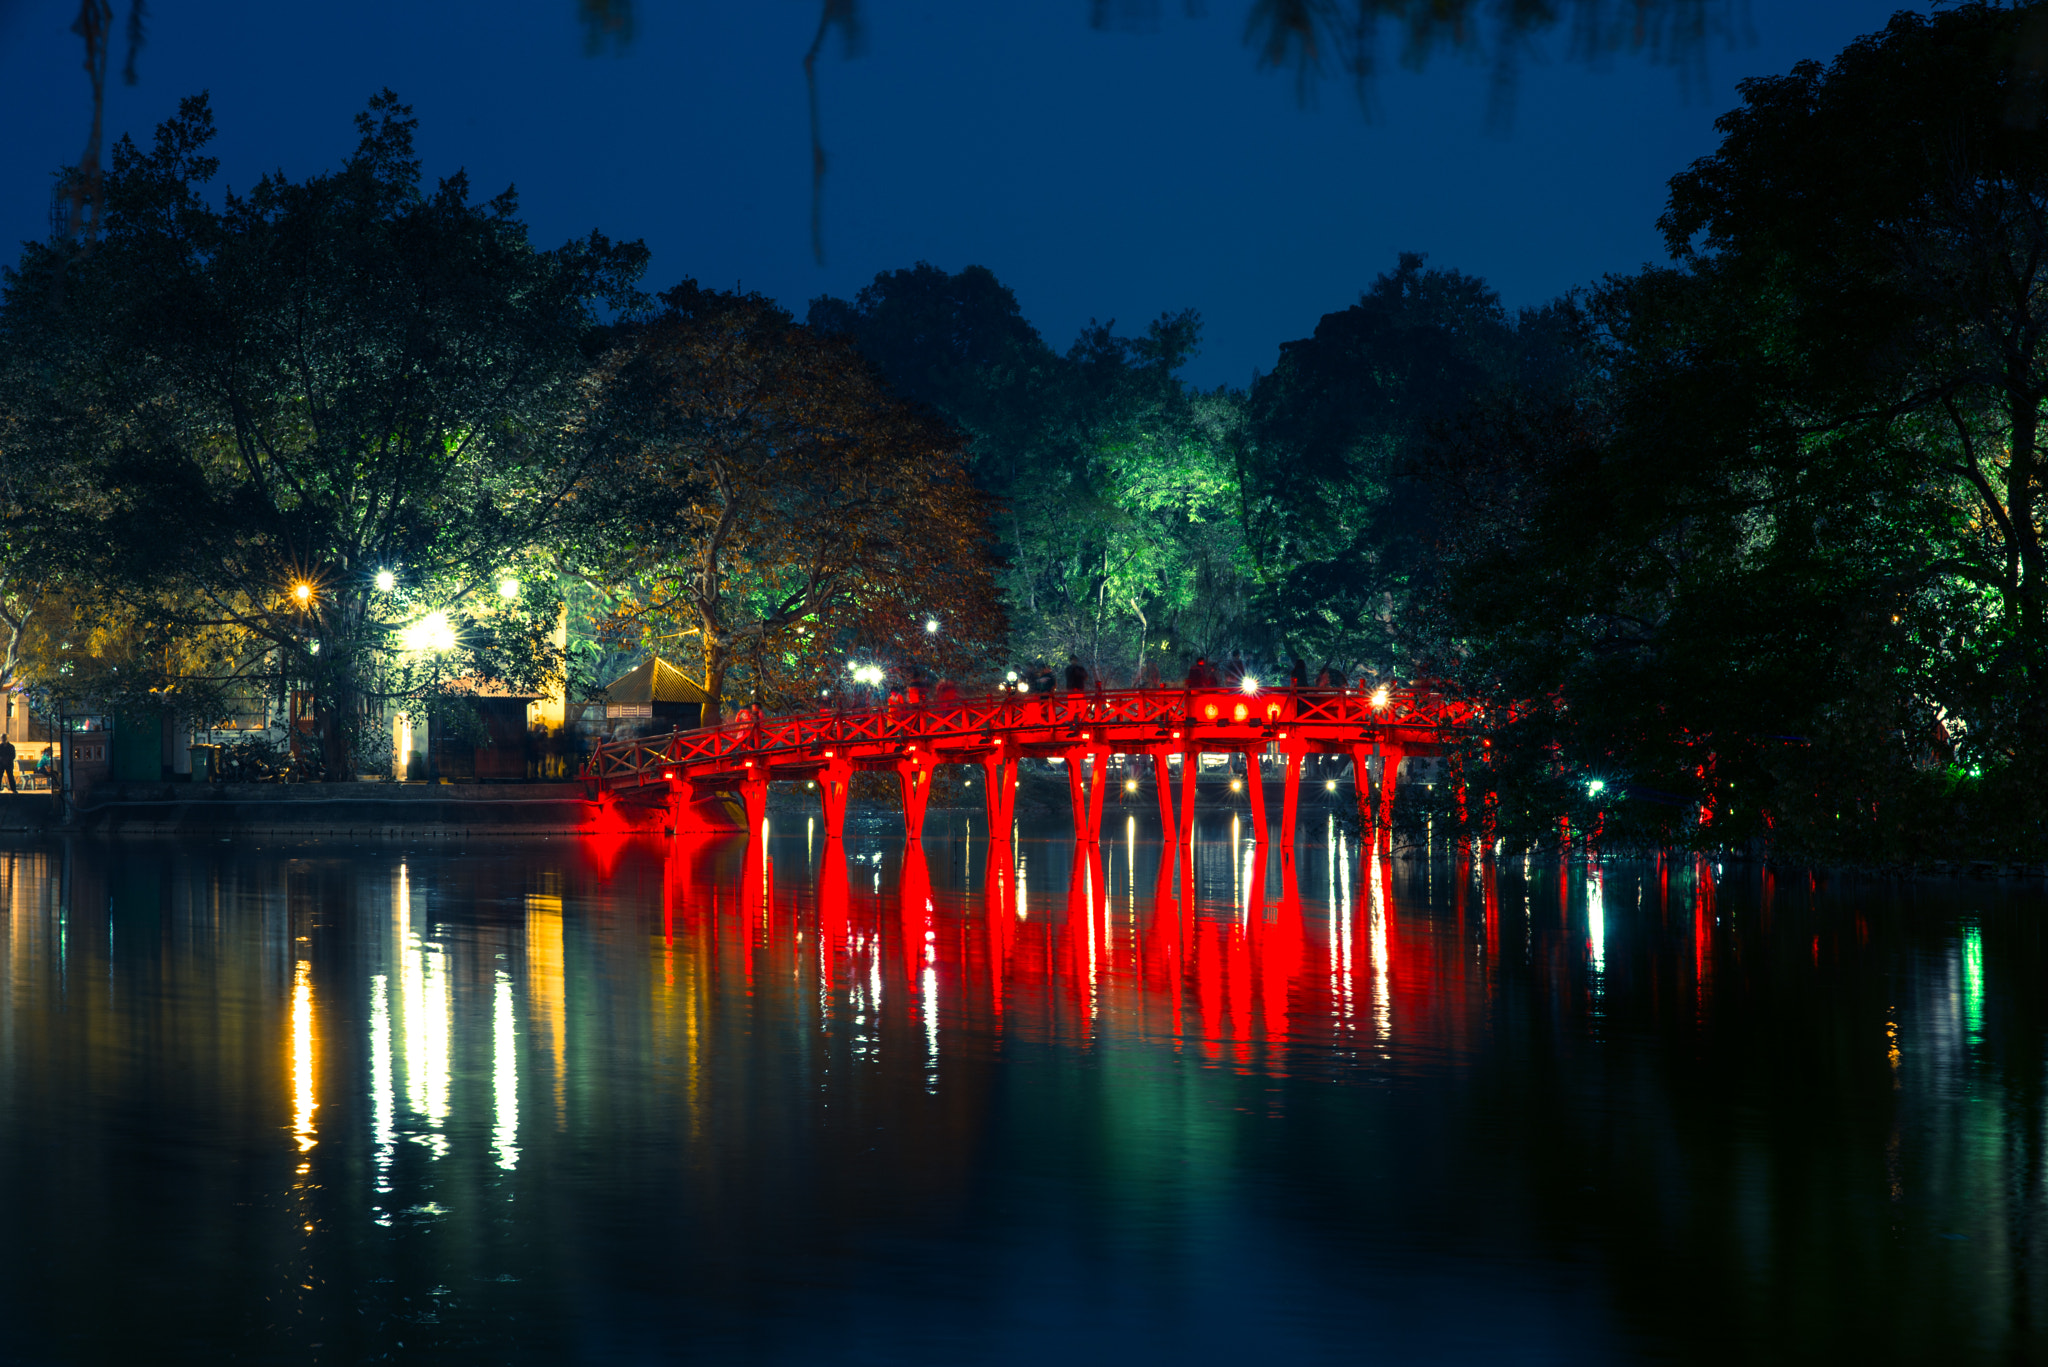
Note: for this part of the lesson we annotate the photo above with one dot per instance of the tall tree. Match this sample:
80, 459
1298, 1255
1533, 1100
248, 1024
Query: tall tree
1120, 531
781, 508
264, 404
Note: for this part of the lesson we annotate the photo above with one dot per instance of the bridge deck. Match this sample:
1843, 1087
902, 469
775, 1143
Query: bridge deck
1082, 729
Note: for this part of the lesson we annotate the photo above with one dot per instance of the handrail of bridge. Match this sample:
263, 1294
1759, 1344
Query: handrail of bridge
1169, 712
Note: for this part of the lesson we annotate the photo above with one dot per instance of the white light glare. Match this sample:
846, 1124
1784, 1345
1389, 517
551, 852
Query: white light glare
386, 581
1596, 787
431, 632
931, 625
1380, 696
1250, 684
508, 588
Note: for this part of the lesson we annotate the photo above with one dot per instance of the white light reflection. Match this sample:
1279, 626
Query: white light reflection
505, 1075
1244, 908
1340, 931
1596, 928
383, 1106
1382, 987
423, 1023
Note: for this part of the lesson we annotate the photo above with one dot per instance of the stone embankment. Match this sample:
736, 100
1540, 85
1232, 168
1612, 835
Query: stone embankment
368, 810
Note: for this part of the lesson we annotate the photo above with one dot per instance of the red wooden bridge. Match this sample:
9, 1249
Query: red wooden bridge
1081, 729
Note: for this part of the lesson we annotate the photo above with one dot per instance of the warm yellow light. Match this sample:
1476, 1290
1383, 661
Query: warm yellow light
1235, 785
1380, 696
303, 592
303, 1104
1130, 785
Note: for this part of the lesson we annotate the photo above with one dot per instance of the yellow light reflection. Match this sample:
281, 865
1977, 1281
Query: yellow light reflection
303, 1104
546, 987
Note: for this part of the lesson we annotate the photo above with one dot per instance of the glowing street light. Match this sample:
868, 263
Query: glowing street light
931, 626
508, 588
1596, 787
303, 592
1381, 697
1250, 684
431, 632
386, 581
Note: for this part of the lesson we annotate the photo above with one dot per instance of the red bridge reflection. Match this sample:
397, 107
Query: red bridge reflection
1214, 947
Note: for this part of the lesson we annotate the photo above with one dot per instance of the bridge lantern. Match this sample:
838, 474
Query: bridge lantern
1240, 712
1209, 711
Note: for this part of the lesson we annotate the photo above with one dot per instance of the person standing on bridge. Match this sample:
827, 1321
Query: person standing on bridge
1233, 672
1077, 675
1297, 677
7, 763
1198, 674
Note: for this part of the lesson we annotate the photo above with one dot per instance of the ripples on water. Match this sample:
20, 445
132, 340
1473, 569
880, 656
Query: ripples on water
647, 1102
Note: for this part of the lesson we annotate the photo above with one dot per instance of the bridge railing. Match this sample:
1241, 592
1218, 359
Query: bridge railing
1053, 716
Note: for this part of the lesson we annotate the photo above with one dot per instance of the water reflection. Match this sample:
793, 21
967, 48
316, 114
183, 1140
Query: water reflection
1313, 1102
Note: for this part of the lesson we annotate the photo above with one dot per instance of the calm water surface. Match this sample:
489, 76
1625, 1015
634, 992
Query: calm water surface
628, 1102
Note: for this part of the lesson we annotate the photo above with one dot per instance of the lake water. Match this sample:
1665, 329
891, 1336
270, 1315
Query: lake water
563, 1101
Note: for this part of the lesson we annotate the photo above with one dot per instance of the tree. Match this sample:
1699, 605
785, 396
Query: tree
302, 421
783, 508
1786, 572
1119, 530
1340, 523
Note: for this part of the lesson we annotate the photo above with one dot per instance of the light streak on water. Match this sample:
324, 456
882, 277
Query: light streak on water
303, 1102
505, 1074
383, 1105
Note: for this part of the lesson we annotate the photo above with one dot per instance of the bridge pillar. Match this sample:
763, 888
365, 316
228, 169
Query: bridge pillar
1390, 771
753, 787
1361, 786
1162, 778
1087, 798
835, 782
1255, 784
1289, 800
999, 780
1190, 765
914, 779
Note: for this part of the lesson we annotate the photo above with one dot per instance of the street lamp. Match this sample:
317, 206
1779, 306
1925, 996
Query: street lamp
386, 581
931, 626
303, 593
508, 588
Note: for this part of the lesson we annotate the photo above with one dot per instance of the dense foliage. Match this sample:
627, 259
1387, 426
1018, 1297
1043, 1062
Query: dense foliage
1776, 576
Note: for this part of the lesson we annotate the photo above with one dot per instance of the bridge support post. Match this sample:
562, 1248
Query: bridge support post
1361, 786
999, 780
754, 797
1098, 784
1190, 764
914, 779
1390, 772
1289, 800
1162, 779
1255, 784
834, 784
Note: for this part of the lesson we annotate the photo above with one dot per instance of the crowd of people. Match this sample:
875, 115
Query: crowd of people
911, 687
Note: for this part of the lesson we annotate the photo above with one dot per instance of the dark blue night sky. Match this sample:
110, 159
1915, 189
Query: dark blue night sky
1100, 174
